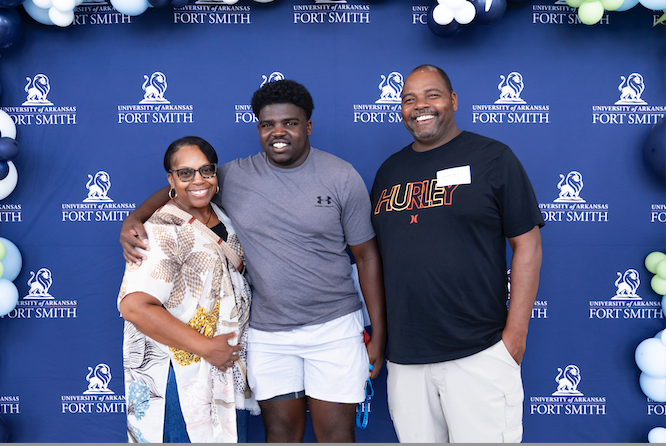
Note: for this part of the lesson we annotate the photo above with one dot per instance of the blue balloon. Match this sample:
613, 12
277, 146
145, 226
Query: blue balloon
11, 29
651, 357
627, 5
653, 388
8, 296
12, 261
4, 169
449, 30
654, 149
38, 14
9, 148
179, 3
158, 3
663, 305
489, 11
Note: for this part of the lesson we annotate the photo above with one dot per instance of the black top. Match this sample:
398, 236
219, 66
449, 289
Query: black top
444, 248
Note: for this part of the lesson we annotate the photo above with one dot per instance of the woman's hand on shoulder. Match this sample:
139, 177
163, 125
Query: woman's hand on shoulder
220, 353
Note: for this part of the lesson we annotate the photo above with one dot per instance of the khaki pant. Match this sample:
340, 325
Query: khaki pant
477, 399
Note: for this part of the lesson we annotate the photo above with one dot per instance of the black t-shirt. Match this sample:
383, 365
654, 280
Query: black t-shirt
444, 248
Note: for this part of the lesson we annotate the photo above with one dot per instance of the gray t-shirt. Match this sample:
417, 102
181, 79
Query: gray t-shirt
294, 226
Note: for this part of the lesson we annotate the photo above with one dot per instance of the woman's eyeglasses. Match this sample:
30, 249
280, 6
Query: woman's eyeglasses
187, 174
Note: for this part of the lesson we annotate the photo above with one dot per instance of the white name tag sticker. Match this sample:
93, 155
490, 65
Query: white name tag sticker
454, 175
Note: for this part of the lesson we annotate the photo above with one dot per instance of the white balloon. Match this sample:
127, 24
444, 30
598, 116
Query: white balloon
64, 5
442, 15
44, 4
61, 18
230, 2
78, 2
8, 183
38, 14
8, 297
130, 7
7, 126
657, 435
465, 14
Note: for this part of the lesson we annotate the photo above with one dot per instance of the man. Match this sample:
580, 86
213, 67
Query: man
443, 208
295, 210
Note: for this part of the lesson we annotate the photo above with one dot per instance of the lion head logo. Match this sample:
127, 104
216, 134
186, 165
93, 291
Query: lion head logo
510, 88
631, 89
98, 380
154, 88
391, 88
627, 284
570, 187
39, 284
37, 89
98, 187
568, 380
274, 76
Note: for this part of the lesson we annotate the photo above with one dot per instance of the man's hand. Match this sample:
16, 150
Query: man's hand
376, 356
515, 345
133, 235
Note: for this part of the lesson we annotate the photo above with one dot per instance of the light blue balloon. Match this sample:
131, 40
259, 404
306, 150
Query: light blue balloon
657, 435
12, 261
627, 5
658, 335
653, 388
8, 297
130, 7
655, 5
651, 358
38, 14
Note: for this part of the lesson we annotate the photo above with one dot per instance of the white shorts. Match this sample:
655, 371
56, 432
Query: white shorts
329, 361
477, 399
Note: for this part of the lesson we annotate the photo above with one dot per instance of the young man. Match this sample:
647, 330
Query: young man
443, 208
296, 209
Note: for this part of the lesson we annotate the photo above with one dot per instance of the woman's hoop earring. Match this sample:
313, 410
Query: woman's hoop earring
174, 194
218, 190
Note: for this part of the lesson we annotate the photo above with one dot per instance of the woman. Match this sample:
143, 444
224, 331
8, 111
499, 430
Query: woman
186, 309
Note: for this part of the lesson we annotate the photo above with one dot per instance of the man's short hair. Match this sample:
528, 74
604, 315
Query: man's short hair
441, 72
284, 91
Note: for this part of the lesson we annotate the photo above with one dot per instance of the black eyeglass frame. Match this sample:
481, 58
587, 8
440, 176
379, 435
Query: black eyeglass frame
194, 172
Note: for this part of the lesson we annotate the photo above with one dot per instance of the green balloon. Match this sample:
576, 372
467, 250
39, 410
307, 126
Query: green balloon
3, 250
658, 285
574, 3
2, 269
590, 12
661, 269
652, 259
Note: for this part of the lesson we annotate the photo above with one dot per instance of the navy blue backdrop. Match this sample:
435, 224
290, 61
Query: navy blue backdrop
122, 88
